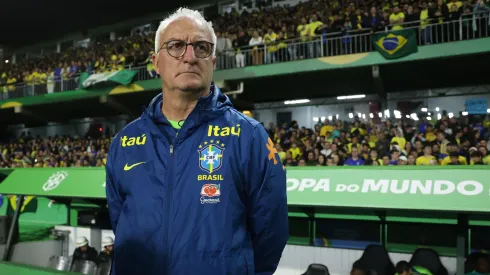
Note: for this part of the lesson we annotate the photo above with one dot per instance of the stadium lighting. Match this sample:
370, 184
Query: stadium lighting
407, 116
424, 110
337, 116
429, 118
297, 101
350, 97
429, 113
464, 113
439, 116
330, 117
371, 115
315, 119
359, 115
380, 114
397, 114
351, 115
387, 113
450, 115
437, 109
322, 118
488, 111
6, 61
414, 116
363, 116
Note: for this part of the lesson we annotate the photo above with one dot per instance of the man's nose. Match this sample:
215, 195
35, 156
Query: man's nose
189, 55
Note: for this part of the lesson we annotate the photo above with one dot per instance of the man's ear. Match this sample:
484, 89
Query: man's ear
155, 58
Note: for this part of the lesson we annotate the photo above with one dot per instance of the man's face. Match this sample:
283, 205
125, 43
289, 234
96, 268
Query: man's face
188, 73
84, 248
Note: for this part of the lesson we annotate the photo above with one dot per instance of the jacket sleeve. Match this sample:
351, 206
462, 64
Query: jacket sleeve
115, 199
267, 211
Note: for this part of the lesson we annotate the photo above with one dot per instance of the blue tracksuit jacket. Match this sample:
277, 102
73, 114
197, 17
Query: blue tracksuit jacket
209, 198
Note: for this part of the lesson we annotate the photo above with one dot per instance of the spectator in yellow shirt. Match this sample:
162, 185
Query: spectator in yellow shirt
326, 128
429, 133
476, 158
295, 152
427, 158
397, 18
484, 151
399, 138
454, 159
442, 141
453, 148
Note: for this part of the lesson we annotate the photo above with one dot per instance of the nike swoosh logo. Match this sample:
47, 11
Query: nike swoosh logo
127, 168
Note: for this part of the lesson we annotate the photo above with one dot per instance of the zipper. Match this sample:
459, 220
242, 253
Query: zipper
166, 260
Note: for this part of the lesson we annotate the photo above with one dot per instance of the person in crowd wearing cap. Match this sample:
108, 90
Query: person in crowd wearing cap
107, 250
402, 160
84, 251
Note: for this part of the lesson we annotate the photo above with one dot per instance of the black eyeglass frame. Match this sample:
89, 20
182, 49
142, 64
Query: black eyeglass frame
193, 44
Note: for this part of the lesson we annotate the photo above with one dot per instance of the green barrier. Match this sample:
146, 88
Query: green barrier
456, 189
446, 188
20, 269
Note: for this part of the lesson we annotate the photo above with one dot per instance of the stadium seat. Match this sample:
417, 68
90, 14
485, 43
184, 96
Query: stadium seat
428, 258
316, 269
376, 261
104, 268
84, 267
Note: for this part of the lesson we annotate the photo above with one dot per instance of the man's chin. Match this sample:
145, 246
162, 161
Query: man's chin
192, 87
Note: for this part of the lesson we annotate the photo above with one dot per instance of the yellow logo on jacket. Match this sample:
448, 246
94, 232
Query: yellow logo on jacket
392, 43
131, 141
216, 131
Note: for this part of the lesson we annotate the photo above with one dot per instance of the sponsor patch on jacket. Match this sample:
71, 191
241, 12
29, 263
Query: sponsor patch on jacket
210, 193
211, 156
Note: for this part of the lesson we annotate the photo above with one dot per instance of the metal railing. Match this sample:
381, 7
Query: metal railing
333, 44
61, 85
354, 41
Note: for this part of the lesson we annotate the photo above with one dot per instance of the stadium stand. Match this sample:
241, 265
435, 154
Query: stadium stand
448, 141
310, 29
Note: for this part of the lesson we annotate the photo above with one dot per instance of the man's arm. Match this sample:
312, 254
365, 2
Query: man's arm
267, 211
114, 198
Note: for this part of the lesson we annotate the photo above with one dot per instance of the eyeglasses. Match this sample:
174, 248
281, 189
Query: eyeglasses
177, 48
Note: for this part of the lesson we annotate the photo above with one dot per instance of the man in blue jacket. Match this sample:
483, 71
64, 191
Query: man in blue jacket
194, 186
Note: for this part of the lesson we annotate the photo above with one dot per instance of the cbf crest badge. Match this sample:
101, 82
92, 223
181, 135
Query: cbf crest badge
211, 155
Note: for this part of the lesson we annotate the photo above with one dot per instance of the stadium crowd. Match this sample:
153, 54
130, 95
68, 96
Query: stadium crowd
97, 57
58, 151
446, 142
270, 26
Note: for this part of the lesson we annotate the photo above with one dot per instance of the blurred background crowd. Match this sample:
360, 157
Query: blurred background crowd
58, 151
448, 141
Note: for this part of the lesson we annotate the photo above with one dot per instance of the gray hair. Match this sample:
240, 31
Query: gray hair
193, 15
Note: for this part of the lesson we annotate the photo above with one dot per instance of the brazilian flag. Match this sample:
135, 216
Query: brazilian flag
395, 44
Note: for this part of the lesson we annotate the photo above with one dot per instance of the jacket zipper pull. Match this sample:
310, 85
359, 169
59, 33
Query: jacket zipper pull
171, 149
